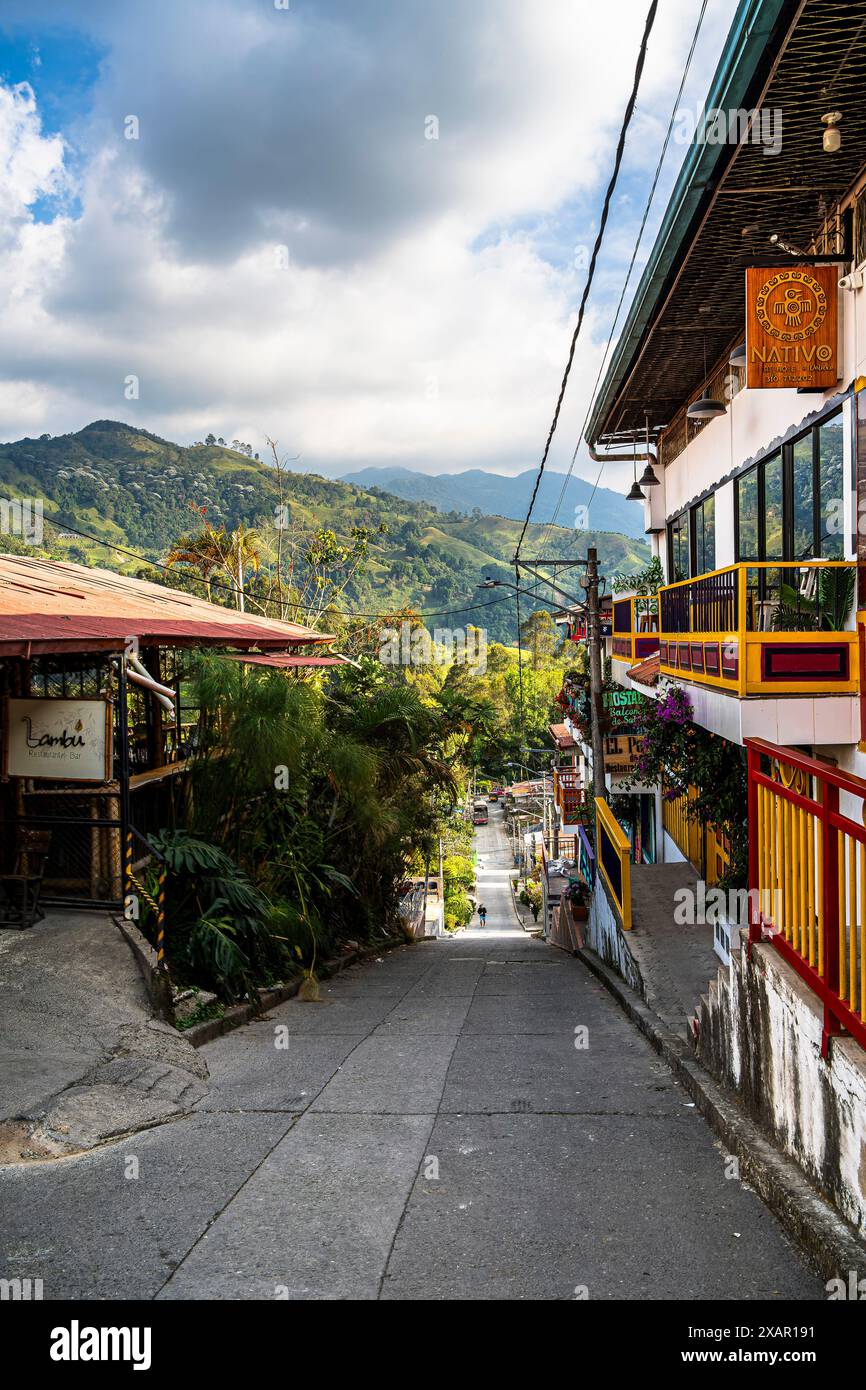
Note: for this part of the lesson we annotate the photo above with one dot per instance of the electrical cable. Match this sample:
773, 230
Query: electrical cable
642, 228
228, 588
650, 20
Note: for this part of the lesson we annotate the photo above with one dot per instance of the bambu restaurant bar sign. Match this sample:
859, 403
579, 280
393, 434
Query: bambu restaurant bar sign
64, 739
792, 326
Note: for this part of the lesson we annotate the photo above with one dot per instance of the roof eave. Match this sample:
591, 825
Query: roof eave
746, 50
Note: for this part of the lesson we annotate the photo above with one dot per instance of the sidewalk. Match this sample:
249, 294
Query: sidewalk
676, 960
83, 1058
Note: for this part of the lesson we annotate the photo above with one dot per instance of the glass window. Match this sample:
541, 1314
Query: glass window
705, 535
786, 508
803, 488
678, 548
774, 528
747, 513
830, 472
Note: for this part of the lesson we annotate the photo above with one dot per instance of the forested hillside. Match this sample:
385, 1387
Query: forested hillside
128, 490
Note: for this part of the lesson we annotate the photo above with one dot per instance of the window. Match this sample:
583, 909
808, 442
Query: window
830, 489
747, 515
774, 528
789, 507
704, 535
803, 488
678, 548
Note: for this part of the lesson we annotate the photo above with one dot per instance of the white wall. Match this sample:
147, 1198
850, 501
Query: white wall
761, 1034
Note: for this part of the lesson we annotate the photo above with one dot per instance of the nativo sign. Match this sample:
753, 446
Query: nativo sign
792, 326
64, 740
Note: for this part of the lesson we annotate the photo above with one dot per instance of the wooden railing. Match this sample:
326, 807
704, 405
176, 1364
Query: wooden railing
807, 877
634, 632
613, 860
569, 794
762, 628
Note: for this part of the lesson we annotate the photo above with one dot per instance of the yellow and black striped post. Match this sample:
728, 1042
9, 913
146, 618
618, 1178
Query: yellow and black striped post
157, 904
160, 920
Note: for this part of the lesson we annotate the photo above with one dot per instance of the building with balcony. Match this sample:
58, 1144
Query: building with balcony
740, 378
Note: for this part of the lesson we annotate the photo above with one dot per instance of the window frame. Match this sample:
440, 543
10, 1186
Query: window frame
786, 452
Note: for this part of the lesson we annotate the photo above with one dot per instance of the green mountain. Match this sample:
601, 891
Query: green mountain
508, 496
111, 488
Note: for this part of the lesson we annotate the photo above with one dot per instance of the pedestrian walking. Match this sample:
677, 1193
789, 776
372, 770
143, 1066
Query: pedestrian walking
482, 914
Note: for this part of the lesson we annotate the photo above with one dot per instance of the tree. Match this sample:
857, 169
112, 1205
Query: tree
214, 550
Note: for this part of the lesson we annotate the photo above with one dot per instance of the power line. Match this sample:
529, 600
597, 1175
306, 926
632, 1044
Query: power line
650, 20
642, 228
227, 588
646, 212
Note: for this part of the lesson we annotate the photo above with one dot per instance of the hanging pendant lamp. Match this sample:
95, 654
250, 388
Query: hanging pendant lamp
649, 478
705, 407
634, 494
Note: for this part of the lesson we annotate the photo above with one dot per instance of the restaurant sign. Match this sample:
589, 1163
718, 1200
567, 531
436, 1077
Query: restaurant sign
65, 740
620, 752
792, 327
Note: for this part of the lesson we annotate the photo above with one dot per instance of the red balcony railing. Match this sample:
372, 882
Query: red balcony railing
807, 877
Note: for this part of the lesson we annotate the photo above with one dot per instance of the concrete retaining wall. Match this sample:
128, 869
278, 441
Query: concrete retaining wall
761, 1035
606, 937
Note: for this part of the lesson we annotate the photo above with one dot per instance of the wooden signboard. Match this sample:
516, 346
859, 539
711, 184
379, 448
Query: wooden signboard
792, 326
64, 740
620, 751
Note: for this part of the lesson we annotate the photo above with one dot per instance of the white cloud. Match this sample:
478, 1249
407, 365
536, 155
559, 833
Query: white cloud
415, 322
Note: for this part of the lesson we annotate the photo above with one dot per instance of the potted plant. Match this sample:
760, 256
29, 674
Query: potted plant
576, 895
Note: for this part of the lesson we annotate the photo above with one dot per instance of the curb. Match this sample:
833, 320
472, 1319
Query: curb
520, 922
236, 1015
807, 1218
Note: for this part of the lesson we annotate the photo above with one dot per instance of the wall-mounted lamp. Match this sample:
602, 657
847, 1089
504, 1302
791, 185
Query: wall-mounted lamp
789, 247
832, 135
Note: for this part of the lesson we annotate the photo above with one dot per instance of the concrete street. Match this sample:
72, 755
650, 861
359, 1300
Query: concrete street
429, 1131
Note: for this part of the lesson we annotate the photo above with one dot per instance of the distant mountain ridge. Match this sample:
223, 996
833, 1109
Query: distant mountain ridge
127, 490
498, 495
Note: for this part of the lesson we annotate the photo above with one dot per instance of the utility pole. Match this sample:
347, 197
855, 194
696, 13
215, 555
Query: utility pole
595, 671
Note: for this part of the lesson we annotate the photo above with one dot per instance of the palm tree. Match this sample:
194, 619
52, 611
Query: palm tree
234, 553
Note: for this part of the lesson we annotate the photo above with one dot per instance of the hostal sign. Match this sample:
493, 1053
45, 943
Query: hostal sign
792, 326
66, 740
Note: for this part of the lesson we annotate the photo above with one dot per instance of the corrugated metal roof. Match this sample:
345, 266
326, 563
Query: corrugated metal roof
53, 603
283, 660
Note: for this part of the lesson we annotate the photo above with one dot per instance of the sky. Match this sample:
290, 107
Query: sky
358, 227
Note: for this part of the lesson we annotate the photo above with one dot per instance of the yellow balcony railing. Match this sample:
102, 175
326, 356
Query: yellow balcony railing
702, 845
763, 628
807, 877
634, 628
613, 860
